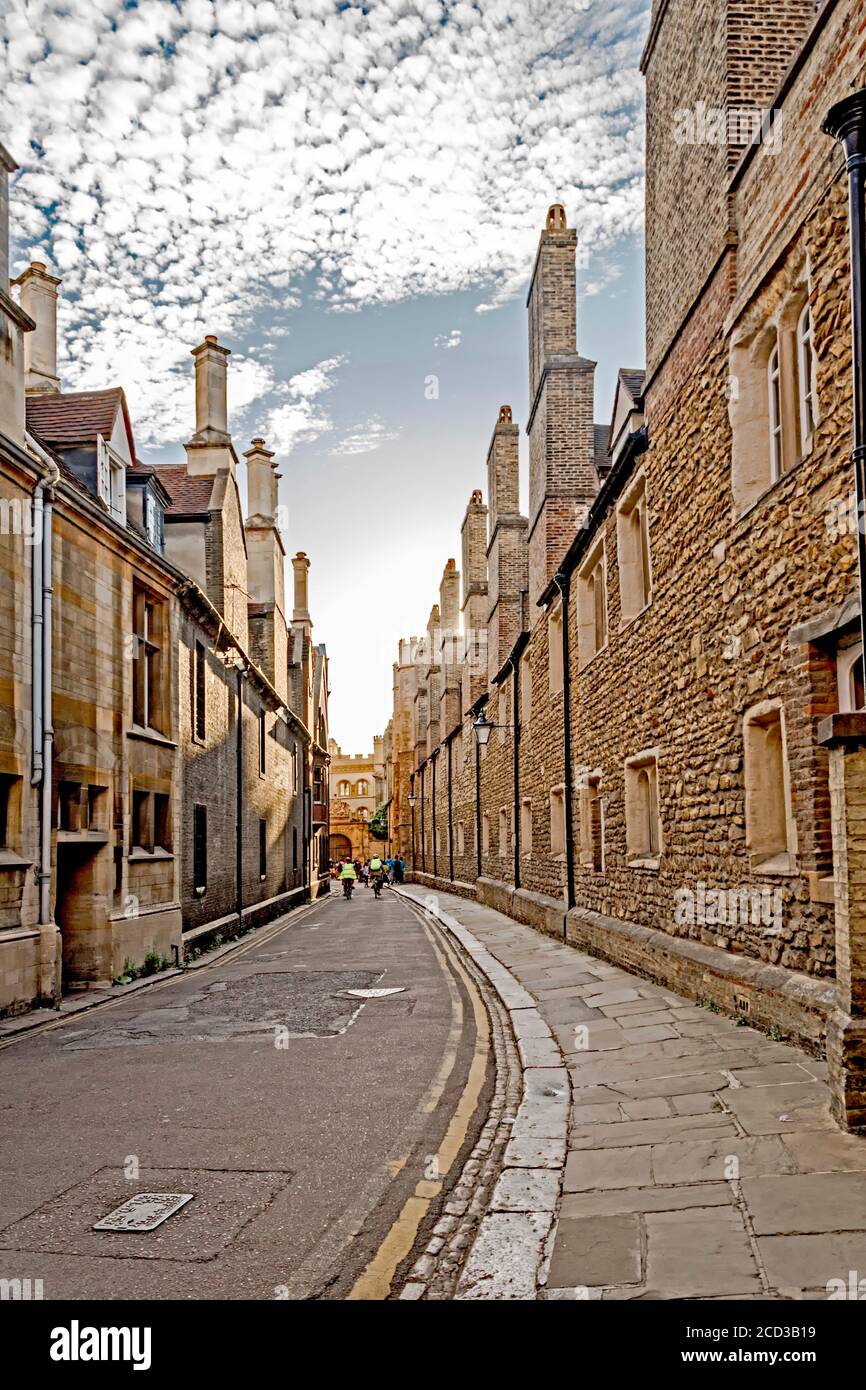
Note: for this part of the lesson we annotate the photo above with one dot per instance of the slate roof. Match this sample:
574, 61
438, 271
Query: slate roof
633, 380
189, 496
65, 419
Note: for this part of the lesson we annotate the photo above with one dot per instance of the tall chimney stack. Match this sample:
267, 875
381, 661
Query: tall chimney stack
262, 479
209, 451
301, 567
7, 167
38, 298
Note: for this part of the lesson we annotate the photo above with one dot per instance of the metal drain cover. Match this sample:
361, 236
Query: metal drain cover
372, 993
144, 1212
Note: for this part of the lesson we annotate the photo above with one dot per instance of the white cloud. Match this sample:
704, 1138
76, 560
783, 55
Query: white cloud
365, 438
187, 161
448, 340
301, 417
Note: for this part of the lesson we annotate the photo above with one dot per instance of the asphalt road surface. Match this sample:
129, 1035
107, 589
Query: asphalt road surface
301, 1119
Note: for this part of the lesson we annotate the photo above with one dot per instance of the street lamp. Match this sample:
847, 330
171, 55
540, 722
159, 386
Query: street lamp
412, 802
483, 729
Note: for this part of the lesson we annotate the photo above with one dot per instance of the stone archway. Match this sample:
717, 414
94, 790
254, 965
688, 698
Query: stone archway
340, 847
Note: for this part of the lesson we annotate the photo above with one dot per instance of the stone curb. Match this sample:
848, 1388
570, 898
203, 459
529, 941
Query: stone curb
509, 1257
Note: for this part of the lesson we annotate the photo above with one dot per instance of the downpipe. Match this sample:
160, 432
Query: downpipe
562, 583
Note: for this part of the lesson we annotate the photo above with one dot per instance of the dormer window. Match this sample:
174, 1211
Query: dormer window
111, 479
154, 521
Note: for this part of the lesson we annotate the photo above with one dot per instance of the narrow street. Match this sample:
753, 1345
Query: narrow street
300, 1119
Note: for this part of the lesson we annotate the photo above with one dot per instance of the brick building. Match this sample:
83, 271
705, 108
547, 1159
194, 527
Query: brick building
673, 669
163, 722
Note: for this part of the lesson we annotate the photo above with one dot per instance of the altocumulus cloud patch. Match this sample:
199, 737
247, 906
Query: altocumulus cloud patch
183, 163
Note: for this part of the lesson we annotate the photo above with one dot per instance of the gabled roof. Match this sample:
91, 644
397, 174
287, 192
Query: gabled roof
629, 381
633, 379
190, 496
66, 419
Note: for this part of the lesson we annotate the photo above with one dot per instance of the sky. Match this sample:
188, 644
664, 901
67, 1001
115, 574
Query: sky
350, 196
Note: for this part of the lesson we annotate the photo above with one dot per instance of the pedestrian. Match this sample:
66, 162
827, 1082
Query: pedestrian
399, 868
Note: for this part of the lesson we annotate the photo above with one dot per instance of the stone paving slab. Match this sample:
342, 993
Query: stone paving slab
701, 1160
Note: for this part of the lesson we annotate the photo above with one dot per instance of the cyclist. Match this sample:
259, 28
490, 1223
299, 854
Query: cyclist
348, 878
378, 873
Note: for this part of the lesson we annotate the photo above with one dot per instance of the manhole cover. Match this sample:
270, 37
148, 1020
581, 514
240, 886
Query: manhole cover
372, 993
144, 1212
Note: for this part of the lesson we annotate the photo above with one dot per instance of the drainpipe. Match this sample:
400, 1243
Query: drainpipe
448, 749
42, 692
423, 835
477, 803
433, 807
412, 815
846, 122
516, 739
562, 583
239, 799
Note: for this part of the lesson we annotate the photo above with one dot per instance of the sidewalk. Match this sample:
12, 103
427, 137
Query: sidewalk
701, 1158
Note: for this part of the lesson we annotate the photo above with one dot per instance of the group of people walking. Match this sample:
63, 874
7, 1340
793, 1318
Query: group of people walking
374, 872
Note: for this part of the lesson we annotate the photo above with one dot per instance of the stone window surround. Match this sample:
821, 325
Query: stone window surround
485, 833
593, 567
554, 649
634, 496
772, 321
525, 689
526, 827
645, 761
588, 781
557, 823
503, 832
783, 862
846, 658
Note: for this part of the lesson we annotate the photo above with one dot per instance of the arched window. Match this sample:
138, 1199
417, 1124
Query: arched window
849, 669
362, 789
805, 372
343, 789
774, 400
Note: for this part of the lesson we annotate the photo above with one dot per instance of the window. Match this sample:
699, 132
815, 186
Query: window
9, 793
502, 714
849, 675
525, 689
69, 806
111, 479
642, 821
161, 822
148, 622
591, 824
461, 838
503, 832
142, 829
343, 789
263, 849
363, 812
592, 606
525, 828
199, 849
554, 643
362, 789
295, 769
557, 822
97, 808
633, 551
263, 742
805, 378
485, 834
199, 696
770, 831
774, 398
154, 521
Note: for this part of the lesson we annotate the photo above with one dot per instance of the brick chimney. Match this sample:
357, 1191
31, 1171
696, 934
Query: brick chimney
37, 293
562, 475
473, 535
507, 559
268, 630
210, 448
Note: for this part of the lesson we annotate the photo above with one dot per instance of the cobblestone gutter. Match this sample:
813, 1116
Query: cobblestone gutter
493, 1240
